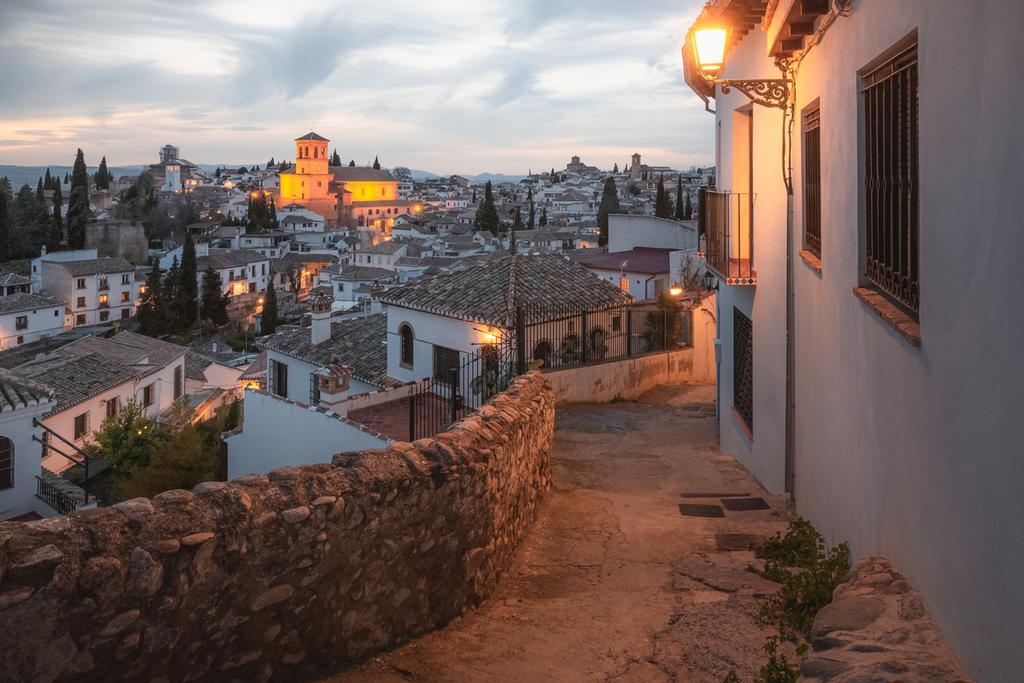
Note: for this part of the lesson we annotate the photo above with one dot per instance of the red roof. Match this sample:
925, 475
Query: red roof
638, 260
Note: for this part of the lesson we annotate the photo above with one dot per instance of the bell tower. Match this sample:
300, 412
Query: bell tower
311, 154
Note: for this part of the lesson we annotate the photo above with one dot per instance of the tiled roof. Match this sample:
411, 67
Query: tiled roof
75, 378
484, 293
312, 136
147, 354
228, 258
97, 266
348, 273
195, 365
17, 392
347, 174
638, 260
381, 202
389, 247
257, 368
13, 280
359, 344
23, 301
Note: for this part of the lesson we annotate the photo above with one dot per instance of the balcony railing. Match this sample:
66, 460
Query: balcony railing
54, 497
726, 236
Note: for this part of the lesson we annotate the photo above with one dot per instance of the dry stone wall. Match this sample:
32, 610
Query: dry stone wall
278, 576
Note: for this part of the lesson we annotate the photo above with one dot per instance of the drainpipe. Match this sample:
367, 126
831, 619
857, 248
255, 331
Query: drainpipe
790, 353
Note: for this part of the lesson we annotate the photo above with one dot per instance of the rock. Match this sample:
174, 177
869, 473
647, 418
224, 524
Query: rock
293, 657
119, 623
136, 509
271, 633
173, 498
284, 473
324, 500
240, 659
144, 574
39, 560
205, 488
823, 668
736, 541
296, 514
197, 538
849, 614
166, 546
13, 597
277, 594
125, 647
103, 576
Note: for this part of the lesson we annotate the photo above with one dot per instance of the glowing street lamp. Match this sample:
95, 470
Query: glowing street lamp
709, 49
675, 290
709, 42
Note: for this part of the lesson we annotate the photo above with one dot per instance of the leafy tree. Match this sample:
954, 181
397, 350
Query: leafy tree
661, 327
78, 203
129, 439
487, 214
662, 201
531, 222
609, 205
271, 164
543, 216
189, 283
214, 302
56, 237
376, 164
335, 159
268, 319
103, 176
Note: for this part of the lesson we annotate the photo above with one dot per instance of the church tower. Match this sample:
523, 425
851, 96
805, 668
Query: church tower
309, 180
311, 154
634, 169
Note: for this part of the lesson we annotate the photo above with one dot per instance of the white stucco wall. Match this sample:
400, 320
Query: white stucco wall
628, 231
16, 425
299, 371
279, 433
912, 453
42, 322
429, 330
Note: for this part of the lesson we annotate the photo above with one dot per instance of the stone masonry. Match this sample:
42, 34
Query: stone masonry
284, 575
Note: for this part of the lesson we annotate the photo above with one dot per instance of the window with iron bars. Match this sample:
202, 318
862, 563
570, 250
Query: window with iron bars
890, 92
743, 367
812, 179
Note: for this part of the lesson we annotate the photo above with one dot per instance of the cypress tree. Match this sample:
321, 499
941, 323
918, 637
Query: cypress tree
335, 159
268, 319
103, 175
662, 201
351, 163
40, 193
5, 232
543, 216
214, 304
66, 178
57, 229
189, 284
78, 203
680, 209
169, 303
688, 211
149, 321
615, 169
487, 214
609, 205
48, 180
531, 222
376, 164
517, 220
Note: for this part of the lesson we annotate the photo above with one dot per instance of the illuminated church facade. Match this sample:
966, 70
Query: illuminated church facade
346, 196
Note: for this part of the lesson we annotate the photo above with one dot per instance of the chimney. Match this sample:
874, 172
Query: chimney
320, 318
333, 382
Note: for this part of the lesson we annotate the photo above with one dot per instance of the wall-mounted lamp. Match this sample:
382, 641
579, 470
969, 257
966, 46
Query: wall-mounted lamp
710, 281
675, 290
709, 43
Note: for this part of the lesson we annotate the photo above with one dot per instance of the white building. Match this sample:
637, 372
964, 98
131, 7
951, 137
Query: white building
21, 402
905, 433
96, 290
27, 317
57, 256
93, 377
241, 270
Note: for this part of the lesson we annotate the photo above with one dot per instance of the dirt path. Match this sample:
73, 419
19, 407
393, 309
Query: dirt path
613, 583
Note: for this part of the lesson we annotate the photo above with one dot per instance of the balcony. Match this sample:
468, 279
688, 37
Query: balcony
726, 236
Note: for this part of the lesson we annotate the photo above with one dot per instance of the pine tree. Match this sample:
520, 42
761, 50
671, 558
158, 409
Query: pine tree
688, 211
214, 305
103, 175
351, 163
78, 203
531, 222
268, 319
189, 284
543, 216
40, 193
680, 209
474, 196
5, 232
57, 229
615, 169
487, 214
335, 159
662, 201
609, 205
149, 322
376, 164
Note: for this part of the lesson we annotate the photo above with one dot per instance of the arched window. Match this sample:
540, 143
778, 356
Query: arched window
407, 338
542, 352
6, 463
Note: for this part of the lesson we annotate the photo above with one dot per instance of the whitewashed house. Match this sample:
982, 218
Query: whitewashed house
96, 290
21, 402
27, 317
57, 256
893, 418
241, 270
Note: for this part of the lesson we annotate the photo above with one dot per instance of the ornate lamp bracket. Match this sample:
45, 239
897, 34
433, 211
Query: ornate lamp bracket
769, 92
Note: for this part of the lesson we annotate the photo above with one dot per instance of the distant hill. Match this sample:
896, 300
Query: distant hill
21, 175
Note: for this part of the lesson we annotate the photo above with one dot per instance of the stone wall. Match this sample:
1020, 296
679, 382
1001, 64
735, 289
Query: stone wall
284, 575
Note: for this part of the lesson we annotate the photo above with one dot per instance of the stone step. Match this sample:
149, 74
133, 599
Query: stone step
69, 489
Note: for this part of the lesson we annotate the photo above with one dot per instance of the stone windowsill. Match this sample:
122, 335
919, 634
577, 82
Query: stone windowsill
742, 423
908, 328
811, 260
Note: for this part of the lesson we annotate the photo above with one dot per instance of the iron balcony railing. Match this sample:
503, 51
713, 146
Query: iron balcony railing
54, 497
725, 232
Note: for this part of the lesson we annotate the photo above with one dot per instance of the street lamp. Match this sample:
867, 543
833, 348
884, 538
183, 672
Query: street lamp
709, 43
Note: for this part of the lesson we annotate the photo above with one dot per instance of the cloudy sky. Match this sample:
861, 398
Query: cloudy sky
440, 85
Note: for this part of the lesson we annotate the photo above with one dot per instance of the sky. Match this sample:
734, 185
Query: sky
447, 86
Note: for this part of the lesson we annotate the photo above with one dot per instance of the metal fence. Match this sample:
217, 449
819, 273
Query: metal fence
54, 497
725, 232
544, 337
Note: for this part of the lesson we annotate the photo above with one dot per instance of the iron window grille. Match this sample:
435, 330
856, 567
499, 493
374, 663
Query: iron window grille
812, 180
743, 367
890, 93
446, 365
6, 463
